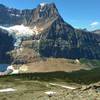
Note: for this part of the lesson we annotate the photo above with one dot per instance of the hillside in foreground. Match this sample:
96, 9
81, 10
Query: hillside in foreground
78, 85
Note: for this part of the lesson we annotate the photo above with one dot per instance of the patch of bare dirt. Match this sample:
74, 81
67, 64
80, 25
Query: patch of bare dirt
52, 64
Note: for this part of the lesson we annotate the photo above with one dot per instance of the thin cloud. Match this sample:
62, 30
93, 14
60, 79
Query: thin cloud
94, 24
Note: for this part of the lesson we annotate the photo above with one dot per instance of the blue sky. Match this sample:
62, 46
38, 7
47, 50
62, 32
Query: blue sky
78, 13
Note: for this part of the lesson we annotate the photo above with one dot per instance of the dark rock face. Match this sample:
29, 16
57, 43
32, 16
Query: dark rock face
6, 45
69, 43
58, 38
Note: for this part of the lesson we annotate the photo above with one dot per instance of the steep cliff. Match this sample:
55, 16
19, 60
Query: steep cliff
44, 32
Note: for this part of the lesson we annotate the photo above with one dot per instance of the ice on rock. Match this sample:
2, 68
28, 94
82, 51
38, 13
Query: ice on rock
42, 4
20, 29
20, 32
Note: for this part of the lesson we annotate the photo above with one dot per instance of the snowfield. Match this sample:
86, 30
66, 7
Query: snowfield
20, 32
7, 90
42, 4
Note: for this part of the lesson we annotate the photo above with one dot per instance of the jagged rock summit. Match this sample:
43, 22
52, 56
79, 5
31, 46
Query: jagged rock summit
11, 16
43, 32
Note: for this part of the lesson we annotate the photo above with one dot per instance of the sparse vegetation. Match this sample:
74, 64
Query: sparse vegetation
90, 62
81, 76
34, 85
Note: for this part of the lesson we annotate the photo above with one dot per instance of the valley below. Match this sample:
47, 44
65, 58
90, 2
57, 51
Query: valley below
42, 57
53, 79
77, 85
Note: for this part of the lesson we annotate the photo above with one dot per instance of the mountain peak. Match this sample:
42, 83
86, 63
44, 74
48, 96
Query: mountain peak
42, 4
43, 13
48, 6
43, 29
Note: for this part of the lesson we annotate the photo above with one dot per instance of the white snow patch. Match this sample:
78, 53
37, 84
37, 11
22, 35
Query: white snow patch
10, 67
50, 93
12, 14
77, 61
7, 90
18, 15
42, 4
21, 30
5, 28
63, 86
16, 71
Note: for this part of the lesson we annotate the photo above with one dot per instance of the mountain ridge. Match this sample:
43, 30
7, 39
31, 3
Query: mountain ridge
54, 38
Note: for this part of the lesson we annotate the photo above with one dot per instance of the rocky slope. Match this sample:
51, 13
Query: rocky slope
43, 32
97, 31
39, 86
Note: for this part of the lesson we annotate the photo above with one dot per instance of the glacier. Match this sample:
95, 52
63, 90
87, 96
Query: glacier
20, 32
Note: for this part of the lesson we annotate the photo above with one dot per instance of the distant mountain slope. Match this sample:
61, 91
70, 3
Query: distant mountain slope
96, 31
50, 35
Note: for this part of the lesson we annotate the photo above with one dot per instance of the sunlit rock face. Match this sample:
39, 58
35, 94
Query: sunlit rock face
43, 32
